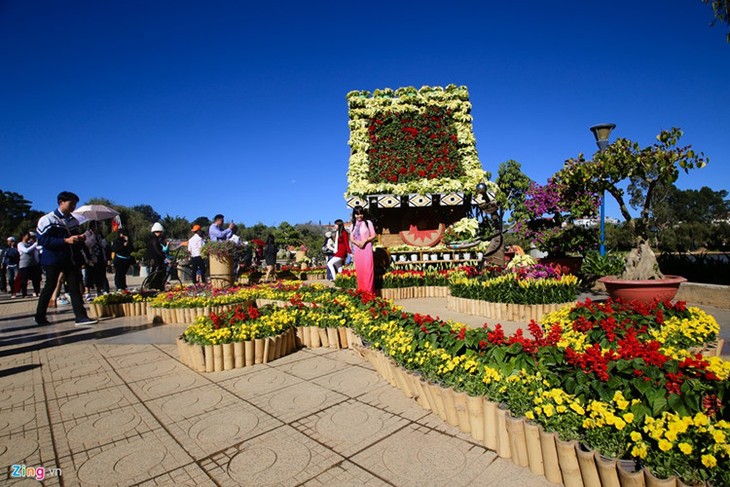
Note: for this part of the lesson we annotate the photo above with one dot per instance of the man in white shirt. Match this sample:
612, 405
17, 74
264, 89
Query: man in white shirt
195, 245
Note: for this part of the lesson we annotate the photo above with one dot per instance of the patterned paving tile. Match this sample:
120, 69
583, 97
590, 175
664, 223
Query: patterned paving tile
20, 397
297, 401
120, 350
88, 403
417, 456
165, 385
143, 356
31, 448
77, 361
281, 457
71, 354
187, 476
420, 456
221, 428
311, 367
261, 380
20, 420
95, 430
125, 462
349, 356
394, 401
351, 381
345, 474
191, 403
148, 370
350, 426
86, 383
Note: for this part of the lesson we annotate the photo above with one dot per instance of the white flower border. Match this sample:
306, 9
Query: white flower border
363, 106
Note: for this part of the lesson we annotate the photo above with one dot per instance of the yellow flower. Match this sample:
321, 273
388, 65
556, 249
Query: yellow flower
709, 461
665, 445
635, 436
685, 448
639, 451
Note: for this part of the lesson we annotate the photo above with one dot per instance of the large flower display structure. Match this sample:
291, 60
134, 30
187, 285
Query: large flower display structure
410, 141
413, 161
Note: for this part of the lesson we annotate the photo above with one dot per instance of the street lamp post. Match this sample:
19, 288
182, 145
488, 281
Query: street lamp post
601, 133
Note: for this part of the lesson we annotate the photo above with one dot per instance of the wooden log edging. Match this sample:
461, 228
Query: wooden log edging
116, 310
215, 358
503, 311
186, 316
414, 292
526, 444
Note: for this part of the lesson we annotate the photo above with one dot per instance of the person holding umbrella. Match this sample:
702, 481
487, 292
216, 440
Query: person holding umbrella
59, 235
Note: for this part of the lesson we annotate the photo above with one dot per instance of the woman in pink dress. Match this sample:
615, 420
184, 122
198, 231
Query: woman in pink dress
362, 237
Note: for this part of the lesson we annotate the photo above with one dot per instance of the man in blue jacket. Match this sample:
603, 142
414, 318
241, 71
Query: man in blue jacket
62, 241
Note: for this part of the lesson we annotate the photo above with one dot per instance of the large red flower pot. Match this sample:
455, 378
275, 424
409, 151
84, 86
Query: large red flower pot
643, 291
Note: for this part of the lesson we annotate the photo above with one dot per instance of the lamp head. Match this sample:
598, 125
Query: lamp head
481, 188
601, 132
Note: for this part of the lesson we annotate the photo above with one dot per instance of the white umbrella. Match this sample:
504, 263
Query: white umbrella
94, 212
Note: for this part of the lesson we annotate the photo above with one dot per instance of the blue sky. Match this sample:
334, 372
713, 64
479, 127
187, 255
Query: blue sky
198, 108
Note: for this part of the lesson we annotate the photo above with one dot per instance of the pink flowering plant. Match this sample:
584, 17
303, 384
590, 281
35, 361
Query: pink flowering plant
551, 210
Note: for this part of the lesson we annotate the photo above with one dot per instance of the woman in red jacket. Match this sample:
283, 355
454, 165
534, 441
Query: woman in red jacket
341, 249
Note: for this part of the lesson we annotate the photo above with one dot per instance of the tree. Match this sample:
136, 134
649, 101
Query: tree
287, 235
176, 227
16, 215
513, 185
147, 212
721, 11
646, 168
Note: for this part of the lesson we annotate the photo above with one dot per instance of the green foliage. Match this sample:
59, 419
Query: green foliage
595, 266
16, 215
223, 250
721, 11
513, 185
625, 161
619, 237
508, 289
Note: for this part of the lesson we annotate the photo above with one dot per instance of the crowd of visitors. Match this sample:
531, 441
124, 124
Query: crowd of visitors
75, 262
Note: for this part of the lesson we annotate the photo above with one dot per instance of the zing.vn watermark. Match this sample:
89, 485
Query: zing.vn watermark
38, 473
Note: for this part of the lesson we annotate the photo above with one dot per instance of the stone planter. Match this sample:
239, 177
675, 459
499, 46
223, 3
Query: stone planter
643, 291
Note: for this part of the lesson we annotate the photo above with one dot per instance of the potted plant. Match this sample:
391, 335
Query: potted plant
462, 234
644, 169
222, 254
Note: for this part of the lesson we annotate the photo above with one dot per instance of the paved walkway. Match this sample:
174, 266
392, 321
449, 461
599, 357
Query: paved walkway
112, 405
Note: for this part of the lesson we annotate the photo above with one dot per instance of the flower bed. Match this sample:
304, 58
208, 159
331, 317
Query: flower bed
401, 279
183, 305
237, 337
618, 377
412, 141
121, 303
522, 287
